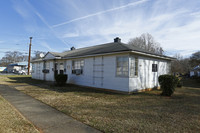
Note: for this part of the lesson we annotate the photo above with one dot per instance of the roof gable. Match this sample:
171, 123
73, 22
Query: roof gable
50, 55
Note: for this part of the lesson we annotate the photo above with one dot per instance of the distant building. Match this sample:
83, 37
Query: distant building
3, 69
16, 67
195, 71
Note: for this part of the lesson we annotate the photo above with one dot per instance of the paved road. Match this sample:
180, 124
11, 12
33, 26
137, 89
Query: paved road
8, 73
44, 117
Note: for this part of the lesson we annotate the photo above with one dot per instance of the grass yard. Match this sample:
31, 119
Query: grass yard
110, 112
11, 121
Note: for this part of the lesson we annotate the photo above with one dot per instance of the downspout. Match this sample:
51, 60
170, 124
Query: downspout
54, 68
44, 67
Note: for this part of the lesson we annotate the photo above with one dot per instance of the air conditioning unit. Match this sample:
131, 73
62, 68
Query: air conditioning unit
45, 71
78, 71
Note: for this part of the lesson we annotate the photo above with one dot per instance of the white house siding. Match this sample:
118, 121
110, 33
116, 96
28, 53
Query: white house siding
82, 79
37, 72
111, 81
49, 76
99, 72
146, 78
191, 73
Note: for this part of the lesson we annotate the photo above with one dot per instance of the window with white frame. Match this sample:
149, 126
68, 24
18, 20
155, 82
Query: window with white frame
61, 68
47, 65
133, 66
122, 66
77, 66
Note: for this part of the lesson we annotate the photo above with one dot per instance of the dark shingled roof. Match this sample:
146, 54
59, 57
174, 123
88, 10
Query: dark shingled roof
107, 48
102, 49
98, 49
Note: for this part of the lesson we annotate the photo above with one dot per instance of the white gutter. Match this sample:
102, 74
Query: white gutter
151, 55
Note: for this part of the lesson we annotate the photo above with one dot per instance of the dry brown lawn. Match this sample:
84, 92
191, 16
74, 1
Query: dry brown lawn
11, 121
110, 112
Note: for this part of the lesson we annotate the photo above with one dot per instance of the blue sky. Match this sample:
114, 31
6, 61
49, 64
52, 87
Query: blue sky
57, 25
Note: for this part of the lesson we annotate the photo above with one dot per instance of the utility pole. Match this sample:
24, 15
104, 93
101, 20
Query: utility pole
29, 56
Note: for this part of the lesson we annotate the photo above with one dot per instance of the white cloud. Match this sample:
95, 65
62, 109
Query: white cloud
184, 53
45, 45
172, 23
20, 9
169, 28
68, 35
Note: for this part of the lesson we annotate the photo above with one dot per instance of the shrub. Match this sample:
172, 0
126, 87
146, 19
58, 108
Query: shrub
179, 82
61, 79
168, 84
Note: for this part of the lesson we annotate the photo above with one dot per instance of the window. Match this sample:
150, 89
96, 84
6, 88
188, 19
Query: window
169, 67
77, 66
133, 66
61, 68
47, 65
33, 68
154, 67
122, 66
56, 69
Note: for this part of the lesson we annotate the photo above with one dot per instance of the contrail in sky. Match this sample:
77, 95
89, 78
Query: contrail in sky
45, 22
102, 12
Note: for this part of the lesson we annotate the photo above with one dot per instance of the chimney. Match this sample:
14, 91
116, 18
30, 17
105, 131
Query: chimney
73, 48
117, 39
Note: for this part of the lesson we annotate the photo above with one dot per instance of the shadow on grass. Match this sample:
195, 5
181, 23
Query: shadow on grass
191, 83
51, 86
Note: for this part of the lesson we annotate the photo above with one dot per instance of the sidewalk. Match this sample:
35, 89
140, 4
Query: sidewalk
44, 117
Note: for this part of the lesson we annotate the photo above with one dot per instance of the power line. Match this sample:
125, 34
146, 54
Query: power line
7, 50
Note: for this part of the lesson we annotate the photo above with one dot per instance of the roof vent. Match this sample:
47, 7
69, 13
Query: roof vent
117, 39
73, 48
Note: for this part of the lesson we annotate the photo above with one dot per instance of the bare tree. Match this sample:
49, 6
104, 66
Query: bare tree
12, 57
195, 59
38, 54
180, 65
147, 42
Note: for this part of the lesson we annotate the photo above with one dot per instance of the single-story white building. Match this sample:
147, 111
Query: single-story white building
114, 66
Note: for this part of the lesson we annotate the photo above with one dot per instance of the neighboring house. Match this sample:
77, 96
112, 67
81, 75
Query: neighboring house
16, 67
195, 71
114, 66
2, 69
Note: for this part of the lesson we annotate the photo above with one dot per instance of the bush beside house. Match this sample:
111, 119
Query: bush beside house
168, 84
61, 79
